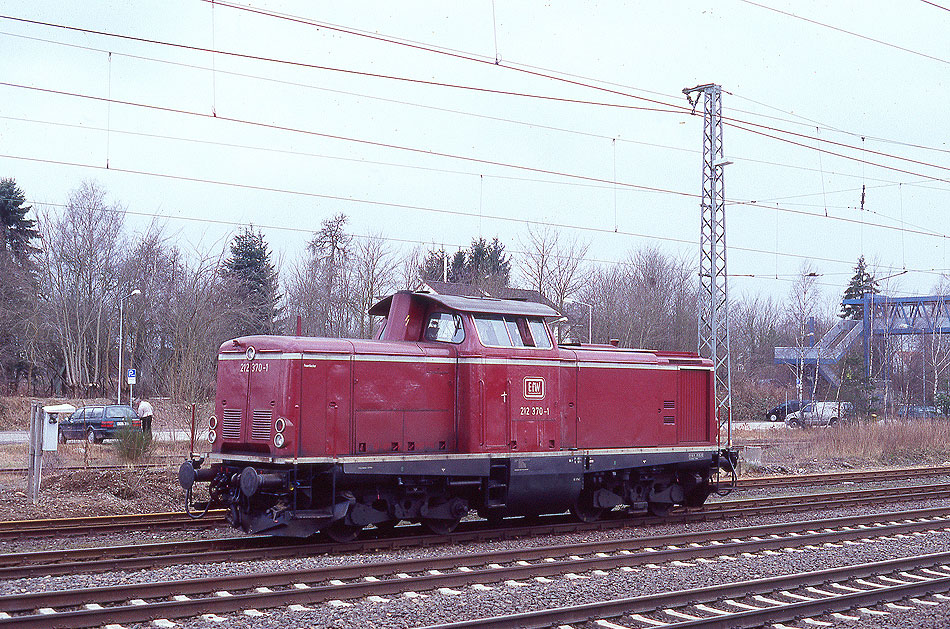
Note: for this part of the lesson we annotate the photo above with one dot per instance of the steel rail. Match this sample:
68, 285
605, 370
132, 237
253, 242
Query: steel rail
688, 598
97, 468
105, 524
430, 578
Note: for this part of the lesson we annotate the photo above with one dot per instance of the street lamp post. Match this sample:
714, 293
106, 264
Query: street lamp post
118, 386
590, 318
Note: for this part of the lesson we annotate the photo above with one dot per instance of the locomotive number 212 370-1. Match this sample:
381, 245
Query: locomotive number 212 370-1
535, 411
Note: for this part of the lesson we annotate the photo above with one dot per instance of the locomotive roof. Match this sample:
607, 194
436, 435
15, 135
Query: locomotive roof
487, 305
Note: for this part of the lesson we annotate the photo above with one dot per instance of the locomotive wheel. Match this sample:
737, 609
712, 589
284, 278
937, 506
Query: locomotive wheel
341, 532
660, 509
440, 527
584, 508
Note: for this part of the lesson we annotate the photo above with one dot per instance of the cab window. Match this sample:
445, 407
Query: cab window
539, 333
445, 327
511, 331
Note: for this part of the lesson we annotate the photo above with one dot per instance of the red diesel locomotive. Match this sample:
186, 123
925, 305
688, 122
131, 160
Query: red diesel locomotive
458, 404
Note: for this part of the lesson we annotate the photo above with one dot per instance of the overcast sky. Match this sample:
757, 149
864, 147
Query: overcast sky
210, 141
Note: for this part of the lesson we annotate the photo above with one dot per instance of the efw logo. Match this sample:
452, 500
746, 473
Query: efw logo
534, 388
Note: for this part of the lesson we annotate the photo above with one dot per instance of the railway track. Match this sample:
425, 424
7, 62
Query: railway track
97, 468
829, 478
142, 556
58, 527
845, 593
246, 593
159, 521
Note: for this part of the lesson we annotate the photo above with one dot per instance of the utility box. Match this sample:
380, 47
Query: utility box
50, 432
50, 428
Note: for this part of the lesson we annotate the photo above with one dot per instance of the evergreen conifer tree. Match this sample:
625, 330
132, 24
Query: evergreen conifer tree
862, 282
485, 264
255, 282
18, 230
18, 281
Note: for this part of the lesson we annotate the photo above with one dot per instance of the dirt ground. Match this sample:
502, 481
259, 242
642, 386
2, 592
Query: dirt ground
72, 487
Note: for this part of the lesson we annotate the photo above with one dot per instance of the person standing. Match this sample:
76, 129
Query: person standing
145, 412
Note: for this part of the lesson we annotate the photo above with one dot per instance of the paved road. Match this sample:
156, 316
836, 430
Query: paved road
22, 436
760, 425
14, 436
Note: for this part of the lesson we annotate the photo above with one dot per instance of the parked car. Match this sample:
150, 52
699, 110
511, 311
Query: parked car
95, 423
820, 414
918, 412
779, 413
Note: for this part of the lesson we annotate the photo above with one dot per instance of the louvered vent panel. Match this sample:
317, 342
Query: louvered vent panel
231, 423
669, 404
260, 427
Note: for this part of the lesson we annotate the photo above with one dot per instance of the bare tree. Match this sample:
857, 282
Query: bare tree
373, 275
553, 265
647, 301
407, 273
803, 306
82, 255
318, 288
199, 313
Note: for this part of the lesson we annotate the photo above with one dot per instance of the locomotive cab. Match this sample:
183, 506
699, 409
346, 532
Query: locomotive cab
457, 404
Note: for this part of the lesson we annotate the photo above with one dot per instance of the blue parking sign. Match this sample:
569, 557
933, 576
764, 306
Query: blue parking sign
131, 376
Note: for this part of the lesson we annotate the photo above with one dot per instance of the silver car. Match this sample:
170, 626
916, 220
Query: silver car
820, 414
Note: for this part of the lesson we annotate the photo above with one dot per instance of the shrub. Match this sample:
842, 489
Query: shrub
131, 445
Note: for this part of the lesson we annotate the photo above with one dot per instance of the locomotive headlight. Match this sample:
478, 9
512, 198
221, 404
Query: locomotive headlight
212, 422
279, 440
212, 435
280, 424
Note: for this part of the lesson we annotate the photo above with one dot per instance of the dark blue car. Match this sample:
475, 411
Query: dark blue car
95, 423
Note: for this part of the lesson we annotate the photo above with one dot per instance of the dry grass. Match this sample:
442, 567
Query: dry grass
894, 442
856, 444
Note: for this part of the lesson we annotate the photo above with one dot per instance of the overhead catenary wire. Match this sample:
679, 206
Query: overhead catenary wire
763, 203
671, 109
684, 149
598, 180
847, 32
331, 136
785, 277
674, 108
934, 4
588, 83
606, 182
546, 72
446, 211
